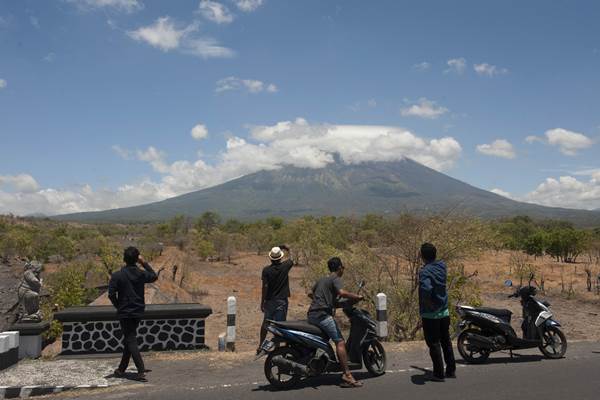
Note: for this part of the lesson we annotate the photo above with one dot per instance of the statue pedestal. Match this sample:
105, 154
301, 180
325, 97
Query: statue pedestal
30, 338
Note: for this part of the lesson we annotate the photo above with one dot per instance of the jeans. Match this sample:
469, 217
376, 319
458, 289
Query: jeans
329, 326
437, 337
276, 310
130, 347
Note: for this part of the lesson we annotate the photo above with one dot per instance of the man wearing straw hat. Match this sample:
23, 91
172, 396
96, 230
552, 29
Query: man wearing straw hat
275, 288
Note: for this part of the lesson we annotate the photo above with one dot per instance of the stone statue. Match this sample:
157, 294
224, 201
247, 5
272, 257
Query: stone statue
29, 293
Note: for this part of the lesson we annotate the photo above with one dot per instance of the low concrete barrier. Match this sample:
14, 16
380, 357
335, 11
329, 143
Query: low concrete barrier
9, 349
96, 329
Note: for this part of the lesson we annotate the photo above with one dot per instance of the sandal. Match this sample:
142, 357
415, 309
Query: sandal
350, 383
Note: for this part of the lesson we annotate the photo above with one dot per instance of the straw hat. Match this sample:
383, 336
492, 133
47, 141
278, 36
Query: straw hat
275, 254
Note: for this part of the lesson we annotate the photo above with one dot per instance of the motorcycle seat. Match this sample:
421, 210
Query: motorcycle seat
498, 312
302, 326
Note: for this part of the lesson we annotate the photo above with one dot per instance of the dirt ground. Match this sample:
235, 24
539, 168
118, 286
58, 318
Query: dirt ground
212, 282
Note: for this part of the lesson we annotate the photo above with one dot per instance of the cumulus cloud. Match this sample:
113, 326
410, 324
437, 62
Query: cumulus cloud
199, 132
233, 83
3, 83
486, 69
163, 34
297, 143
568, 142
21, 183
456, 65
128, 6
166, 35
498, 148
422, 66
532, 139
424, 108
501, 193
215, 12
121, 152
568, 191
248, 5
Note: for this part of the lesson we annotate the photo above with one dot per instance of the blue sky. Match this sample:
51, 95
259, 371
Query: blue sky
98, 98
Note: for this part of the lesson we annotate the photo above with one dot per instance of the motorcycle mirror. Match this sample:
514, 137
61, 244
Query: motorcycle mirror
508, 283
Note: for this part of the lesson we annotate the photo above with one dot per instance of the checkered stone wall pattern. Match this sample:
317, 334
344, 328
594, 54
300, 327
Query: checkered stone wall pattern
155, 335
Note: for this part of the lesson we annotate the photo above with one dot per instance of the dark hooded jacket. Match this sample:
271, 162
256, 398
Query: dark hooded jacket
126, 290
433, 296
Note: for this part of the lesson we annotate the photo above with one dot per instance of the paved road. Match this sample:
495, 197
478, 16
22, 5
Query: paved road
527, 376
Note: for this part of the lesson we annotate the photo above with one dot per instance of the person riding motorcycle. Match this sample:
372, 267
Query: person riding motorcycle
324, 295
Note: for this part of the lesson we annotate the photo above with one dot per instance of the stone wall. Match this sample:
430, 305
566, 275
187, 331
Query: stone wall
95, 329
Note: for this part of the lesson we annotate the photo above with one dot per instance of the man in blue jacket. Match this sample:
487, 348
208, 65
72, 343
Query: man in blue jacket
126, 293
433, 307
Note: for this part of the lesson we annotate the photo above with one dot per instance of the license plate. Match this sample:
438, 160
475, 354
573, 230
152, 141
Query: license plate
267, 345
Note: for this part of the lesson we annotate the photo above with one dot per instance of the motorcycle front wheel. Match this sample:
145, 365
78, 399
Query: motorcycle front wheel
279, 377
554, 343
374, 358
468, 351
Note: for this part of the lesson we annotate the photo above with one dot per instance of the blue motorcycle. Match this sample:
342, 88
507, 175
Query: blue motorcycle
300, 350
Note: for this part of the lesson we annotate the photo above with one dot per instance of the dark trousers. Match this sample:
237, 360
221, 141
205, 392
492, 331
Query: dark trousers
437, 337
130, 347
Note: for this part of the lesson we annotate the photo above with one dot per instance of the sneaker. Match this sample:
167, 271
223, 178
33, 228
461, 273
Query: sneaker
433, 378
118, 373
140, 377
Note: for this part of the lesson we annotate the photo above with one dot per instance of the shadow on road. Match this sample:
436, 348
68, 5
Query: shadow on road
314, 383
421, 379
517, 358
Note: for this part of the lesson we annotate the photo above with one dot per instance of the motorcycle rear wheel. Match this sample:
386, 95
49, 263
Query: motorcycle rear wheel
277, 377
466, 349
374, 358
554, 343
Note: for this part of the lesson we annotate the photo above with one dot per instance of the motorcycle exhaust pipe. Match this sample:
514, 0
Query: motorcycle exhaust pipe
290, 365
481, 342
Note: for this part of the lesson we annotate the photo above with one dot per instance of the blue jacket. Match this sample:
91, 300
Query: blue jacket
433, 296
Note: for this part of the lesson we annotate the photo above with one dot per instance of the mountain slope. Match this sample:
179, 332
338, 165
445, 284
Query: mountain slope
338, 189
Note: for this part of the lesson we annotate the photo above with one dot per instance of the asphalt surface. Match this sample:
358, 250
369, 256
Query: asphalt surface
527, 375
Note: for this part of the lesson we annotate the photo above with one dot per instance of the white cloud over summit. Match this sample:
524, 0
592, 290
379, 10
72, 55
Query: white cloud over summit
296, 143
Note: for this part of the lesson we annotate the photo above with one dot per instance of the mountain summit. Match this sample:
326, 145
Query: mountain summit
338, 189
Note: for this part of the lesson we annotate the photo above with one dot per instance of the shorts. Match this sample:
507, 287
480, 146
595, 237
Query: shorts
276, 310
330, 327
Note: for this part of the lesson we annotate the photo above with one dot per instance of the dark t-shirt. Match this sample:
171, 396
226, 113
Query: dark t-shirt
325, 293
275, 276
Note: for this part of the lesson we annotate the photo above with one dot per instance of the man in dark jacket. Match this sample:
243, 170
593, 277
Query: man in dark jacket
126, 292
433, 307
275, 289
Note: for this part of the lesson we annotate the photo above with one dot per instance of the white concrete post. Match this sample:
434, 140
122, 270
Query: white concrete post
4, 352
382, 323
231, 312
